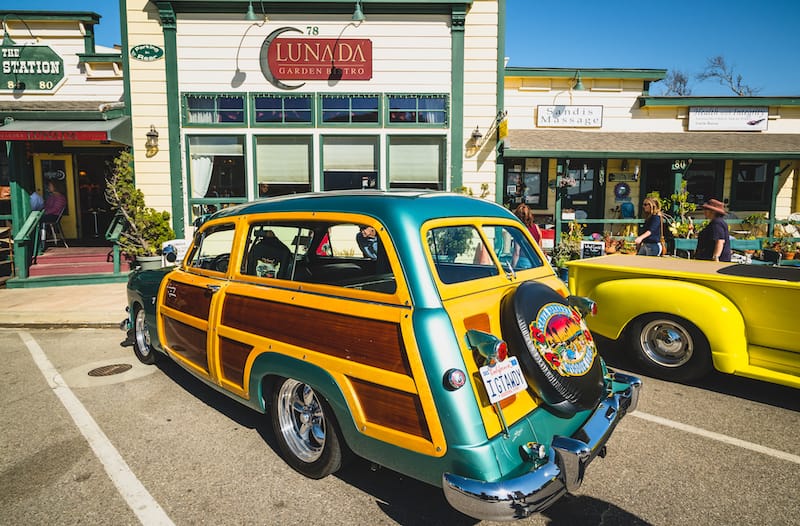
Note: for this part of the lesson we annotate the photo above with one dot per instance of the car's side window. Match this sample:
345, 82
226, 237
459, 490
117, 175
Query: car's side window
317, 252
512, 247
459, 254
212, 248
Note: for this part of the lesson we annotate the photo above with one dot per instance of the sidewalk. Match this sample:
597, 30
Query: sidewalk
96, 306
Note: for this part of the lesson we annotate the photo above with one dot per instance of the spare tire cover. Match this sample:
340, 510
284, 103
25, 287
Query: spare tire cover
555, 348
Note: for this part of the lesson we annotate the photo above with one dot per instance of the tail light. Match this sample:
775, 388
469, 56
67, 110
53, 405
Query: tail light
489, 346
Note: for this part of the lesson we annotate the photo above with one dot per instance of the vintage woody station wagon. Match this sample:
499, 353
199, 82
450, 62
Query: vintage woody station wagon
454, 356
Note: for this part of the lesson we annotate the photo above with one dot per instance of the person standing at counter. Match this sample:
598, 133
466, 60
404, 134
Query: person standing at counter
649, 241
714, 241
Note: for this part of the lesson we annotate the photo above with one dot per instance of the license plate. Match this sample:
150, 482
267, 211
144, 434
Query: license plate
503, 380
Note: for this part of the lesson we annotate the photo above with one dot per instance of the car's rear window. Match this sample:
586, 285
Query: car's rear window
463, 253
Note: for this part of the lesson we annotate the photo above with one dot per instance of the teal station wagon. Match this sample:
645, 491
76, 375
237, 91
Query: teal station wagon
451, 353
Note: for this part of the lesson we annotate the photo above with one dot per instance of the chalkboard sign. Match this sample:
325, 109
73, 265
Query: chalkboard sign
590, 249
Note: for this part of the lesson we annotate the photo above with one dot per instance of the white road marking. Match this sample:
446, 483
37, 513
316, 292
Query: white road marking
719, 437
130, 488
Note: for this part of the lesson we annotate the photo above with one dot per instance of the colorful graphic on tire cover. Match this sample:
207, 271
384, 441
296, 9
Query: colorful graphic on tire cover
561, 337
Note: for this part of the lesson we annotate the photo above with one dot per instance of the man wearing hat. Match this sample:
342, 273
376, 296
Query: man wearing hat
714, 241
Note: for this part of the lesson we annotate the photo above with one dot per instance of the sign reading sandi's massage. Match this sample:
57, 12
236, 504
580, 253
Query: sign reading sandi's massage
30, 68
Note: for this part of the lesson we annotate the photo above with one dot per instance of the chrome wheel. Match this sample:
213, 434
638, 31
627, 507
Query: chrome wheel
666, 343
301, 420
142, 347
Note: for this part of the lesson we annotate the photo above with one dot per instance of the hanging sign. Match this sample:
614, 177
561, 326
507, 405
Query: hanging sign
301, 58
30, 68
147, 52
728, 119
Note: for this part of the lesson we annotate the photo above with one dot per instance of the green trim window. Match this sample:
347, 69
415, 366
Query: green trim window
526, 182
349, 162
276, 109
216, 172
414, 110
283, 164
217, 109
350, 109
751, 185
417, 162
704, 180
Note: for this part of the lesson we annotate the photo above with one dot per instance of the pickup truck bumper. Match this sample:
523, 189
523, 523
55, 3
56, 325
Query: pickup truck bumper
568, 457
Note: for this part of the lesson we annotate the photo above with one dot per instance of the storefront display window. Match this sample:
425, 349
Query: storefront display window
417, 109
216, 171
349, 162
213, 109
283, 109
417, 162
526, 182
283, 165
751, 185
352, 109
704, 181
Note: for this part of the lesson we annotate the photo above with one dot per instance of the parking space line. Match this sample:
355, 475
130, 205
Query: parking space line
719, 437
148, 511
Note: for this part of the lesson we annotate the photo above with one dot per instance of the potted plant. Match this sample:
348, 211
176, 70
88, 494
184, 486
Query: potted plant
788, 249
145, 228
568, 248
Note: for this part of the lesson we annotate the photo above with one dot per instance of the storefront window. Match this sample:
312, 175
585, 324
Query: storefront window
417, 109
704, 181
213, 109
283, 109
526, 182
354, 109
216, 171
417, 162
751, 186
349, 162
283, 165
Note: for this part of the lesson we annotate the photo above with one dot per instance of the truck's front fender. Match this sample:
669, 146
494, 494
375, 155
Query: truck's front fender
621, 301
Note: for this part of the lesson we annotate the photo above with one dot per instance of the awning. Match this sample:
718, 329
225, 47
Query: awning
116, 130
652, 145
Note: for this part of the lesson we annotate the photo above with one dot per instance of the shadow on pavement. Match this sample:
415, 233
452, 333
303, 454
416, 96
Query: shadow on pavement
615, 355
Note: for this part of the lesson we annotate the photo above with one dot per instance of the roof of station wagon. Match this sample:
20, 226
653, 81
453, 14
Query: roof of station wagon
391, 208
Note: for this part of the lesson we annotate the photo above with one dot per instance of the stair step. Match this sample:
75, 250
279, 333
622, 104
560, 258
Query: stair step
56, 269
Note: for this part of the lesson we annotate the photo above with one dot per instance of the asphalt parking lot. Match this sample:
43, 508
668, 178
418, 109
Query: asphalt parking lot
152, 445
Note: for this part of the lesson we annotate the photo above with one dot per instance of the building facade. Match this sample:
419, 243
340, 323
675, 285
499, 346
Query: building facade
62, 117
308, 96
590, 144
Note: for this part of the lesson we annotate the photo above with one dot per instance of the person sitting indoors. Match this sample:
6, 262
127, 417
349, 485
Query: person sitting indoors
54, 204
367, 240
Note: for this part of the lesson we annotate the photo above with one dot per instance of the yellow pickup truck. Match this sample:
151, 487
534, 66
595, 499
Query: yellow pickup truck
683, 317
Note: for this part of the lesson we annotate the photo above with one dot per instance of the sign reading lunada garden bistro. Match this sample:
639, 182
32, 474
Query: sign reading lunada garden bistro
33, 68
314, 58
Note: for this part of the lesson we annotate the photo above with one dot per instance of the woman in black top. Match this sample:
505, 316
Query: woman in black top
714, 241
649, 240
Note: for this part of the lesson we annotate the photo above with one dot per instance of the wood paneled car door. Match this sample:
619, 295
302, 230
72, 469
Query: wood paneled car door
187, 299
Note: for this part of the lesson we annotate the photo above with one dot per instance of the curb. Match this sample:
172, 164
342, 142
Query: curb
59, 325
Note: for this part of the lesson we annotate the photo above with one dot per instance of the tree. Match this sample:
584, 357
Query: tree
145, 228
718, 68
677, 83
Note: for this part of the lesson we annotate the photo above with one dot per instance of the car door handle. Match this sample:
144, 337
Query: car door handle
213, 289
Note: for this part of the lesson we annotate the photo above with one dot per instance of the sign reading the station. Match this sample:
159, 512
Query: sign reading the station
33, 68
712, 118
147, 52
562, 116
300, 58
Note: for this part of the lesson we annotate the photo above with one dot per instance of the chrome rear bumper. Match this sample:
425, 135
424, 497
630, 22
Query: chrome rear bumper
568, 457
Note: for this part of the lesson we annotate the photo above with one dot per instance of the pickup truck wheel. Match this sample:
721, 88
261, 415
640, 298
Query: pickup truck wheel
670, 347
141, 342
555, 348
305, 429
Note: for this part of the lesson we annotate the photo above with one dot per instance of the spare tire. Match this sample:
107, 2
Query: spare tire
555, 349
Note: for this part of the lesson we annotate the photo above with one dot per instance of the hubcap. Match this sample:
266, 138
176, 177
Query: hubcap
142, 334
301, 419
666, 343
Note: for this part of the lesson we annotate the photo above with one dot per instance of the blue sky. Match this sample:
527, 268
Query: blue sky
760, 39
